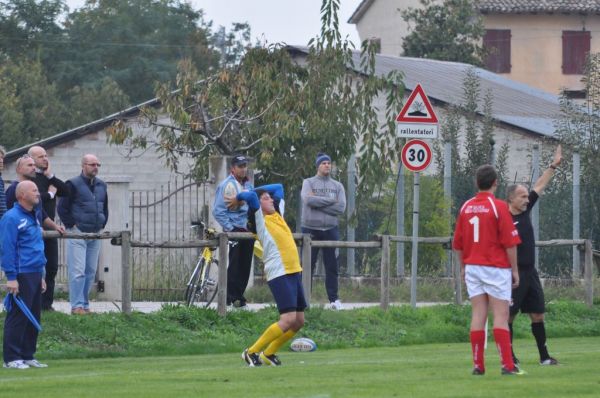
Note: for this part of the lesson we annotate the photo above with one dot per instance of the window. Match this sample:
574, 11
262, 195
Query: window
576, 47
497, 44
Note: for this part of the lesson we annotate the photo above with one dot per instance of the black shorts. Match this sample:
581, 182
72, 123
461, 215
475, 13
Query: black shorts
528, 297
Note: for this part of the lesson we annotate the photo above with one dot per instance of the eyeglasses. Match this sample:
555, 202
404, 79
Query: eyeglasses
93, 164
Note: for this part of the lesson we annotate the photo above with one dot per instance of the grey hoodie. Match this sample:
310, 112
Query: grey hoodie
323, 200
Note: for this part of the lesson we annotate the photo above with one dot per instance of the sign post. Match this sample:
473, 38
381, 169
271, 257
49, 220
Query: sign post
416, 120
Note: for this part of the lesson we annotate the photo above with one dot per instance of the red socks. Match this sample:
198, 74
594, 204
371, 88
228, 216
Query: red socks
478, 348
502, 337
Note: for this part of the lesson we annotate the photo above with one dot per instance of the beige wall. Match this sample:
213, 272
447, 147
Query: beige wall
383, 20
536, 47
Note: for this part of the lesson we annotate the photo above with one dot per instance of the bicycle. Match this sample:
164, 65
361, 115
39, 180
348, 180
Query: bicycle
202, 286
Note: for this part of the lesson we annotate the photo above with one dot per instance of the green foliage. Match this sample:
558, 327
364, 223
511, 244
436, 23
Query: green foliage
33, 108
578, 128
448, 31
433, 222
464, 125
95, 102
280, 111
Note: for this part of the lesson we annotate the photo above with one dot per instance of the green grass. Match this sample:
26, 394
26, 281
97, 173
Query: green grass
429, 370
179, 330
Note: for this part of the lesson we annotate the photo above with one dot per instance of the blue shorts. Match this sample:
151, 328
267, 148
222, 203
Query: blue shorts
288, 293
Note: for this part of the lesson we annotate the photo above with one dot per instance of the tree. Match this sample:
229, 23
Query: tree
133, 42
578, 129
451, 31
90, 103
35, 100
280, 112
464, 124
28, 28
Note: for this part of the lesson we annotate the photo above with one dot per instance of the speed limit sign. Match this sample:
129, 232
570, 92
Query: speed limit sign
416, 155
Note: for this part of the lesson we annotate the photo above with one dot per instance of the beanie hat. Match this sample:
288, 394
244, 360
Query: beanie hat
322, 157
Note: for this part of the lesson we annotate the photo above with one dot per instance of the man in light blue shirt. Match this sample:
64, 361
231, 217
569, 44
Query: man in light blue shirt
233, 217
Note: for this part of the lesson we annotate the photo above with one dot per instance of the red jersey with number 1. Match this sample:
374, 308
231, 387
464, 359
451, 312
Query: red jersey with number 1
484, 230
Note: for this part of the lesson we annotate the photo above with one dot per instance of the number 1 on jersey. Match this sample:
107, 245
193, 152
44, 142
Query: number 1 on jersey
474, 221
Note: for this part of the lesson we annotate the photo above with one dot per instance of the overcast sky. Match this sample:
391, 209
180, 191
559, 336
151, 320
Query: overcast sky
289, 21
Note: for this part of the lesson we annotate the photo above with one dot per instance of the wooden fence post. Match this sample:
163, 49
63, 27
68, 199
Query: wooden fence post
588, 273
222, 284
457, 279
126, 272
306, 267
385, 271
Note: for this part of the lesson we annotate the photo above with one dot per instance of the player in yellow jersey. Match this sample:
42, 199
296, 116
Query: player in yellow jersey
282, 268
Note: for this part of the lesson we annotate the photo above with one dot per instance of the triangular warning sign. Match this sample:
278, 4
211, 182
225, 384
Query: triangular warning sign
417, 109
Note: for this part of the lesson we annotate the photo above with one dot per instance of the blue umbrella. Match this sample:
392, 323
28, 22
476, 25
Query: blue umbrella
23, 307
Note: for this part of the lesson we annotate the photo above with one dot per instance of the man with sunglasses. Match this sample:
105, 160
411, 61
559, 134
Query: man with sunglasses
85, 209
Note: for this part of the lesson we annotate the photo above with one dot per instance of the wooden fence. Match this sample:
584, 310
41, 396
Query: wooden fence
124, 240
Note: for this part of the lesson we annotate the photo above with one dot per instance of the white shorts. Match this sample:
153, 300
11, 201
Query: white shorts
493, 281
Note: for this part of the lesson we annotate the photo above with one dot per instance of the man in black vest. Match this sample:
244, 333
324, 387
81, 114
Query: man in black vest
50, 187
85, 209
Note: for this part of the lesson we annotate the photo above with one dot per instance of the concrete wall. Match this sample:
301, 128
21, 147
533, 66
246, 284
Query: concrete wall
536, 47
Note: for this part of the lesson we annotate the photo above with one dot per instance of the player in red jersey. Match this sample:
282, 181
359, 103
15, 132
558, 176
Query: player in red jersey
485, 241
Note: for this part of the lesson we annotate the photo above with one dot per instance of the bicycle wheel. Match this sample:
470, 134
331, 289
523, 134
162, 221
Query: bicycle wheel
192, 286
208, 287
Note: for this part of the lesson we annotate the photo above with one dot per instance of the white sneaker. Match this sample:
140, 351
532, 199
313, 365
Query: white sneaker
33, 363
17, 364
336, 305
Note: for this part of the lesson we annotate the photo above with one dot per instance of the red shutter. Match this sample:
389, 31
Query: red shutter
497, 43
576, 47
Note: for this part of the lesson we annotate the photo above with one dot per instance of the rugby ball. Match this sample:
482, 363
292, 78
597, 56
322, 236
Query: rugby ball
303, 344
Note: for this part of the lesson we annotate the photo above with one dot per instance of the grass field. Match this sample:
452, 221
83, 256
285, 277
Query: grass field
431, 370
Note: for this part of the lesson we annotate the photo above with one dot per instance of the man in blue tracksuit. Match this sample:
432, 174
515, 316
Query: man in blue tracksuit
23, 262
233, 217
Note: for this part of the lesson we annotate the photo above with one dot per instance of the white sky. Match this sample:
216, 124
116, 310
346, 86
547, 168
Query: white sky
289, 21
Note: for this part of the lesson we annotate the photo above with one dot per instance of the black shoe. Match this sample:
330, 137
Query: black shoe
251, 359
477, 371
548, 362
269, 360
515, 372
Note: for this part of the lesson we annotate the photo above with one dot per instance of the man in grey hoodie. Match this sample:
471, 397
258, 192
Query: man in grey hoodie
323, 200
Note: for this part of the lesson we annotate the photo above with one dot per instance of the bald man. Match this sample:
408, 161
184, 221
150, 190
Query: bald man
50, 187
85, 209
23, 263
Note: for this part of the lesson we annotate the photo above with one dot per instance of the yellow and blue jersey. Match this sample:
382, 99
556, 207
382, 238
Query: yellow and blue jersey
280, 254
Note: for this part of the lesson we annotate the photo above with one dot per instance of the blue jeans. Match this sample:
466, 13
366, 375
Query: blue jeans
82, 261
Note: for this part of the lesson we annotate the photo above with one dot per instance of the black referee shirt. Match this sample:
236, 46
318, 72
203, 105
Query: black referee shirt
526, 250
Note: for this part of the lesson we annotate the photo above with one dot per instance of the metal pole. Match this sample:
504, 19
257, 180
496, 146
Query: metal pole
415, 243
126, 272
589, 274
535, 212
306, 267
385, 272
350, 262
457, 279
400, 222
576, 198
222, 284
448, 196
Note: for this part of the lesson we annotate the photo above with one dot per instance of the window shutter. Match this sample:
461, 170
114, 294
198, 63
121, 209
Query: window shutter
576, 47
497, 43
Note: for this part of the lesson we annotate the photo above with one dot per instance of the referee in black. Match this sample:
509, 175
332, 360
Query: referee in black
528, 297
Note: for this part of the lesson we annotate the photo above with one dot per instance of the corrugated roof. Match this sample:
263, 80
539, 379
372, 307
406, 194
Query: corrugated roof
514, 103
541, 6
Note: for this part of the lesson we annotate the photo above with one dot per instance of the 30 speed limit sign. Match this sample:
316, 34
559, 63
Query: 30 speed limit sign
416, 155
